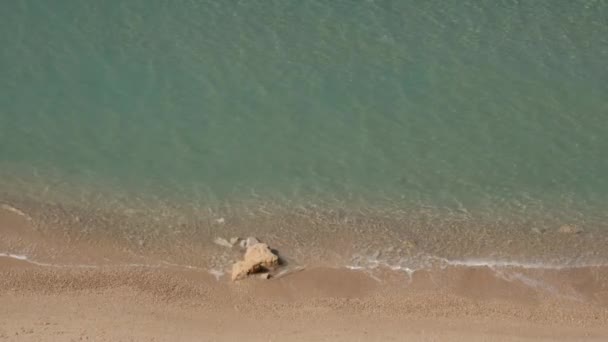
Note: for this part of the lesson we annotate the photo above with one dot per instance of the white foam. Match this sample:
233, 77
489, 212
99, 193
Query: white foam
162, 264
355, 268
412, 264
508, 270
216, 273
537, 284
42, 264
14, 256
15, 211
422, 261
519, 264
189, 267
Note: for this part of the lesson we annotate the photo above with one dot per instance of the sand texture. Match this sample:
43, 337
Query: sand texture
41, 301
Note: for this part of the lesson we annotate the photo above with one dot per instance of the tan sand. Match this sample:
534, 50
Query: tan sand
38, 303
47, 303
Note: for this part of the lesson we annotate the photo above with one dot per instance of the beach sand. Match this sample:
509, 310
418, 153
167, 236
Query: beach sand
44, 302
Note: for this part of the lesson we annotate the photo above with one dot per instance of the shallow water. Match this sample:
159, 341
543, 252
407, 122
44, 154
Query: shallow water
319, 125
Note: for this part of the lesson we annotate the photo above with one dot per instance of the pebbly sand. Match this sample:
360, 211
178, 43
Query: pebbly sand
53, 302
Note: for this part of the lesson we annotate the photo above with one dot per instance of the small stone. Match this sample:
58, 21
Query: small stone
409, 244
251, 241
220, 220
222, 242
538, 230
243, 244
234, 240
569, 229
265, 276
376, 255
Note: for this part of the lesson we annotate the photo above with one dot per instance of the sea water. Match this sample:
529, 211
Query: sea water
461, 127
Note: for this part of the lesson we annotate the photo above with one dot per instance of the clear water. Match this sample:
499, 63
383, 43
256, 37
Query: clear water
460, 104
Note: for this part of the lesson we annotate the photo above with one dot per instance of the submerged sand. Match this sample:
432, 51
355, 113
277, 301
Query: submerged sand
164, 302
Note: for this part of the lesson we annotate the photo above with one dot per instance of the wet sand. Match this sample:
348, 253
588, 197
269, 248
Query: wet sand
45, 301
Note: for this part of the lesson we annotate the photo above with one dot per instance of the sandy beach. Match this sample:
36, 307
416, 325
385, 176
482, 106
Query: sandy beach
45, 302
324, 170
322, 304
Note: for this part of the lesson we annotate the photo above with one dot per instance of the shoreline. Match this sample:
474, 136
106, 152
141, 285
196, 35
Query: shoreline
58, 283
317, 235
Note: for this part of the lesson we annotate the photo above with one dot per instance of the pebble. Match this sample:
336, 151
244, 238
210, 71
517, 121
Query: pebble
569, 229
251, 241
222, 242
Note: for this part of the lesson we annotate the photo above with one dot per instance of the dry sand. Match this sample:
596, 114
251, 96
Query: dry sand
44, 303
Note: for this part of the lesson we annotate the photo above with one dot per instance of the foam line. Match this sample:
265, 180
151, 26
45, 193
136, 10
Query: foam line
43, 264
517, 264
163, 264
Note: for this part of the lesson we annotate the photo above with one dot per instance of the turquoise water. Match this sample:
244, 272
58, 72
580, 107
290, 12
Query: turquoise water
467, 103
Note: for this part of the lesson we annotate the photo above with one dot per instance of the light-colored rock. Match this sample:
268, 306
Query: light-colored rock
220, 220
569, 229
234, 240
265, 276
130, 211
251, 241
222, 242
261, 253
257, 258
538, 230
240, 270
243, 244
410, 244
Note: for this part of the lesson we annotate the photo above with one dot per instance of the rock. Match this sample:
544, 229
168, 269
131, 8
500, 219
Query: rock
234, 240
222, 242
248, 242
410, 244
251, 241
258, 258
569, 229
265, 276
240, 270
538, 230
261, 254
130, 211
220, 220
